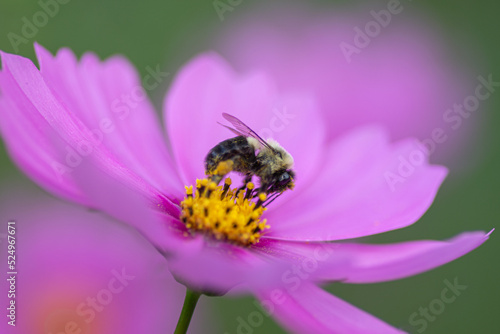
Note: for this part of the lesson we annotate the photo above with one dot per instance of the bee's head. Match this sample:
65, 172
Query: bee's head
283, 180
280, 163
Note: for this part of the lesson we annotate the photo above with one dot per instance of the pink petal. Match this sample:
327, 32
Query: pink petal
404, 79
29, 141
217, 268
67, 255
110, 92
355, 193
207, 87
380, 263
64, 141
156, 220
364, 263
309, 309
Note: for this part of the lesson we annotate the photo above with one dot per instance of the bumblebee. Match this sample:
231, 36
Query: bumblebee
250, 155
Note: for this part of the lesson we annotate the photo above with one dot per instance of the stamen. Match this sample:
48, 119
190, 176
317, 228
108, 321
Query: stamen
250, 187
227, 184
224, 213
262, 198
211, 187
189, 191
201, 185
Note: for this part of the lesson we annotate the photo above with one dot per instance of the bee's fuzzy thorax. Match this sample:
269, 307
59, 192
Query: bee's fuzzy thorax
254, 143
286, 157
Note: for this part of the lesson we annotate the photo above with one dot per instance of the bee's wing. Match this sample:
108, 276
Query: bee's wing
236, 132
243, 130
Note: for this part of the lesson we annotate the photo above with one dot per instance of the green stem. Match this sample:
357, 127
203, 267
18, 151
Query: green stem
187, 311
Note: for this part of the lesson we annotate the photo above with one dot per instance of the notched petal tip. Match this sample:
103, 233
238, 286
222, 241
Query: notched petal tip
40, 49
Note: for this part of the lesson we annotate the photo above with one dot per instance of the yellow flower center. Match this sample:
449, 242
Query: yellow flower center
224, 213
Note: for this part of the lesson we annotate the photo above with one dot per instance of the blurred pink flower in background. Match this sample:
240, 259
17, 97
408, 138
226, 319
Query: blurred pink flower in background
403, 77
80, 272
83, 145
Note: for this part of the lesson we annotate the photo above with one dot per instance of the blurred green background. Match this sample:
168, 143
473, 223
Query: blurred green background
170, 32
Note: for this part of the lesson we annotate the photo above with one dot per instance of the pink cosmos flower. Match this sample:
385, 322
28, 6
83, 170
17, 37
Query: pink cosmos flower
80, 272
403, 77
85, 131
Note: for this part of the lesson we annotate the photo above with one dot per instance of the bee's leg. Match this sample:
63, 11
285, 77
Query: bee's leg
246, 180
271, 198
264, 188
272, 194
216, 178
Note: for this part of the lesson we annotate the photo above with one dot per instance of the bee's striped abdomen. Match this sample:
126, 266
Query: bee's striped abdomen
237, 150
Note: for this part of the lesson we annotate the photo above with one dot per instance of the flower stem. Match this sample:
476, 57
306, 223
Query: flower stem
187, 311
